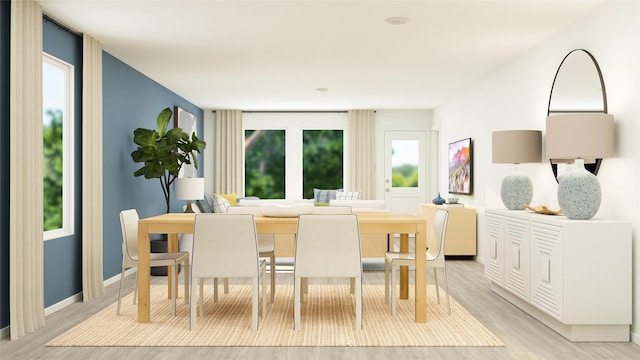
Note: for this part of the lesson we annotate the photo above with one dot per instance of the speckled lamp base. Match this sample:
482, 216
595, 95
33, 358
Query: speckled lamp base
515, 191
579, 193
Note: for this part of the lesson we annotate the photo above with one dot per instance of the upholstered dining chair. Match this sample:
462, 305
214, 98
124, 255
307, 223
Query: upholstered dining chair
226, 246
435, 259
129, 224
266, 244
328, 245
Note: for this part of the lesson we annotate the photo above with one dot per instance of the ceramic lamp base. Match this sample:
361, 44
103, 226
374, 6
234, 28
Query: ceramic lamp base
579, 193
516, 191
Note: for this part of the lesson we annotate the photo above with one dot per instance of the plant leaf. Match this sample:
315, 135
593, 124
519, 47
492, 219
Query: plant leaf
163, 121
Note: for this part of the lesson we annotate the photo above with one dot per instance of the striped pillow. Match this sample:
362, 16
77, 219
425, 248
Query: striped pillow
348, 195
220, 204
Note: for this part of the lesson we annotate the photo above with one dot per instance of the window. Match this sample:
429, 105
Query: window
287, 155
57, 121
404, 163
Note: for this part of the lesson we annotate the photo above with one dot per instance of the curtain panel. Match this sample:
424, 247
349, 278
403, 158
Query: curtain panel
92, 257
362, 163
228, 156
26, 248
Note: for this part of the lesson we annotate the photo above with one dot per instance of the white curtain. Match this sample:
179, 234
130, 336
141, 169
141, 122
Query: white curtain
26, 265
92, 277
228, 157
362, 163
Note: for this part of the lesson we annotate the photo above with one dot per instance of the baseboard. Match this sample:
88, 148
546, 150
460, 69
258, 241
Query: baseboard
635, 338
6, 331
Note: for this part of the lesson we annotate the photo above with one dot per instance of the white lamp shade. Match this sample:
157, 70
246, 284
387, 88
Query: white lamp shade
579, 136
189, 188
516, 146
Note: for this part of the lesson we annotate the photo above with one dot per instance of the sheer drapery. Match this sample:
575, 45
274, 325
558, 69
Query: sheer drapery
228, 156
26, 264
362, 164
92, 276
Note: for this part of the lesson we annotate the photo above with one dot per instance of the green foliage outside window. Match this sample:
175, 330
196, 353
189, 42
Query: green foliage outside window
52, 170
264, 164
404, 176
322, 160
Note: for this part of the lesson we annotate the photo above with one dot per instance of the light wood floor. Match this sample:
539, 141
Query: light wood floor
525, 337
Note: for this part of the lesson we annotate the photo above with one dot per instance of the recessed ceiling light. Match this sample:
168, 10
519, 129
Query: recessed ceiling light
322, 89
396, 20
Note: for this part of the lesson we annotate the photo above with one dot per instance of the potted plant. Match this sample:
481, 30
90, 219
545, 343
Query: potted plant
164, 152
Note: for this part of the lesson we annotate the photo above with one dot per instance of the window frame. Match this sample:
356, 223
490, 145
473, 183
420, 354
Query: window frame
68, 167
294, 124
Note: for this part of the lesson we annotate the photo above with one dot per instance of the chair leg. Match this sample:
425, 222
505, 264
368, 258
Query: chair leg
201, 297
446, 286
435, 276
121, 287
296, 303
135, 287
187, 280
358, 289
272, 268
226, 285
386, 281
393, 288
193, 308
352, 285
174, 288
254, 305
215, 290
264, 291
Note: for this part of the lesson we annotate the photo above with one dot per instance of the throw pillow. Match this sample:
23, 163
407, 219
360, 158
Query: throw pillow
232, 198
221, 205
206, 205
324, 196
347, 195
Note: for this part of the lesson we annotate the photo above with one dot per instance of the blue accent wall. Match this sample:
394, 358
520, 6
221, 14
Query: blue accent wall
131, 100
5, 28
63, 256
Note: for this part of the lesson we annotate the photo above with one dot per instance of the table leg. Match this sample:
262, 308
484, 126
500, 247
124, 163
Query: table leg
143, 273
421, 274
404, 270
172, 246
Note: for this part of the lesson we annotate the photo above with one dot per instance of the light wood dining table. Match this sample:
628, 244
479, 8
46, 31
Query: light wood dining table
174, 224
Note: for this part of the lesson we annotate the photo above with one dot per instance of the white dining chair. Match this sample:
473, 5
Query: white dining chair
129, 225
435, 259
328, 245
226, 246
266, 244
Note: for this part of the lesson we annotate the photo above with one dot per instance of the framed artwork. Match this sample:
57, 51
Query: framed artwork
189, 123
461, 167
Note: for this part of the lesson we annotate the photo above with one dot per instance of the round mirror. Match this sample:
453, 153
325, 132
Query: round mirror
578, 87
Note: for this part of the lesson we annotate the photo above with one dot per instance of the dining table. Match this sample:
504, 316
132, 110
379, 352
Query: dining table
388, 223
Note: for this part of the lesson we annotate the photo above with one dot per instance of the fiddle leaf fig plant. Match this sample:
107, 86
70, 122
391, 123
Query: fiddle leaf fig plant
163, 152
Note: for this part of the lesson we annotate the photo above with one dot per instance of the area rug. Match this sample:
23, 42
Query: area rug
327, 319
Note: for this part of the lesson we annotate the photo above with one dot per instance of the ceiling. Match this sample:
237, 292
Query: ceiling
274, 55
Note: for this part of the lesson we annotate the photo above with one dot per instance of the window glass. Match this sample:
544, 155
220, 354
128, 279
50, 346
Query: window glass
264, 165
404, 163
57, 150
322, 160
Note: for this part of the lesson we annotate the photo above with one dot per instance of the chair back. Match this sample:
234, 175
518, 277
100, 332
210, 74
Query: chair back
328, 245
129, 225
332, 210
266, 242
435, 253
225, 245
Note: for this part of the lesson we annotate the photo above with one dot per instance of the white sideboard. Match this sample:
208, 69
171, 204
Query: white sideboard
572, 275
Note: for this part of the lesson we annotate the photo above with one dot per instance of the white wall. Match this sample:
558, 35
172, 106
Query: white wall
515, 96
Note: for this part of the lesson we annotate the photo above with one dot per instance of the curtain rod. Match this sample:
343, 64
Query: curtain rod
60, 26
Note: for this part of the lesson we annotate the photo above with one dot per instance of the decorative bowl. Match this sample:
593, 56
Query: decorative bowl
452, 200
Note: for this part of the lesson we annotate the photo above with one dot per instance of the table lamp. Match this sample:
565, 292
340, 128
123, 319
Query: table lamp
579, 138
516, 147
189, 189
